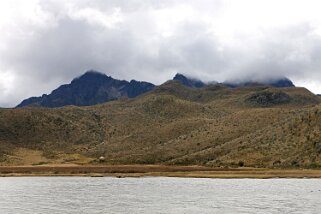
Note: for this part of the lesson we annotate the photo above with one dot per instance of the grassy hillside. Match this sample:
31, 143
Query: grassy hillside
214, 126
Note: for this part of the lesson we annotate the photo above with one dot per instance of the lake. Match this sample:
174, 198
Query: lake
158, 195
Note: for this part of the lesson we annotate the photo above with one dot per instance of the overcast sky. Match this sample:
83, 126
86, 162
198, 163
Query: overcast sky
46, 43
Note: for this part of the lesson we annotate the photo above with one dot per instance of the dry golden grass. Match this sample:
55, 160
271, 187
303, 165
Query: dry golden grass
173, 125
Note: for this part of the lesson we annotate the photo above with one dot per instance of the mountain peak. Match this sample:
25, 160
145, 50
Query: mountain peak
90, 88
282, 82
179, 76
91, 75
189, 82
93, 72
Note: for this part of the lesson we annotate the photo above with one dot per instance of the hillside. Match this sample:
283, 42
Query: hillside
257, 126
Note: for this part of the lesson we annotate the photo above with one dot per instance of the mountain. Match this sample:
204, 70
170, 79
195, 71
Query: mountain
259, 126
89, 89
189, 82
196, 83
93, 88
278, 83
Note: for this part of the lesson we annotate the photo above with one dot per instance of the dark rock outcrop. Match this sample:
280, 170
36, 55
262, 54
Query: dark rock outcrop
267, 98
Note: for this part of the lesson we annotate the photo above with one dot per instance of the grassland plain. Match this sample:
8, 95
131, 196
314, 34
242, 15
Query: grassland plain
257, 126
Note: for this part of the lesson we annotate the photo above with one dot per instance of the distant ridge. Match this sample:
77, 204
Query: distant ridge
89, 89
94, 87
278, 83
196, 83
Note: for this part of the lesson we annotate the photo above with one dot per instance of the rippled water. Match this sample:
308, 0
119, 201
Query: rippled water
158, 195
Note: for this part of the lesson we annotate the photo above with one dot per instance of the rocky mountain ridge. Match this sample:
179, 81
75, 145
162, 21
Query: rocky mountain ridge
94, 88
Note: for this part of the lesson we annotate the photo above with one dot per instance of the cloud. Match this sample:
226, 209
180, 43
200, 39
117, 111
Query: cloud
46, 43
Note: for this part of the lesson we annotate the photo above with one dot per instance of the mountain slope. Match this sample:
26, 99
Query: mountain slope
89, 89
173, 124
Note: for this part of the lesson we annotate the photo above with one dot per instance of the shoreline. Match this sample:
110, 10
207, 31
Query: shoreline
121, 171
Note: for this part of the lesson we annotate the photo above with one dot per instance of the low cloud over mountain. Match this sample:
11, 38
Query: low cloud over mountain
46, 43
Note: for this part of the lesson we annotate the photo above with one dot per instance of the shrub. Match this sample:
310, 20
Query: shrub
241, 163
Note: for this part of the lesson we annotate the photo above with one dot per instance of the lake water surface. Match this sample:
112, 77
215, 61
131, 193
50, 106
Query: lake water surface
158, 195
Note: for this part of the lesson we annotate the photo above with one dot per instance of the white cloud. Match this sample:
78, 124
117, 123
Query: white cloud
94, 16
44, 43
6, 87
